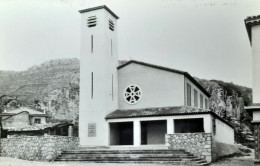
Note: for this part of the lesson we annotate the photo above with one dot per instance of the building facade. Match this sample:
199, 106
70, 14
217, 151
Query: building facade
136, 104
253, 30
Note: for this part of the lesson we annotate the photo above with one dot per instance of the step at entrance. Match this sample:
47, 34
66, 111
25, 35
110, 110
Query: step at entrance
162, 156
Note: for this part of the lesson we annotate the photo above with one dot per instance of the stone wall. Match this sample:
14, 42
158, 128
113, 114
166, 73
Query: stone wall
199, 144
37, 147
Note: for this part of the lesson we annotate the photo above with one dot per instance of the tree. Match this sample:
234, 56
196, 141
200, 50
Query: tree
4, 101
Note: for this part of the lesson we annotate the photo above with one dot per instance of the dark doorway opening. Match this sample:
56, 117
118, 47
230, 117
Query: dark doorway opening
121, 133
153, 132
189, 125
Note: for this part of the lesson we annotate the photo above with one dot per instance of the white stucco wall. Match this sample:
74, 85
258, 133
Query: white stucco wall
103, 64
193, 86
159, 88
224, 133
256, 61
256, 115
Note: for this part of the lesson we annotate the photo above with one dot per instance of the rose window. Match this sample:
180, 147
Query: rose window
132, 94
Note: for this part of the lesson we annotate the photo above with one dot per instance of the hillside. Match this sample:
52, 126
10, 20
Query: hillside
39, 80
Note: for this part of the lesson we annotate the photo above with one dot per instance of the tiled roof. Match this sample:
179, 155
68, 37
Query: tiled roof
37, 127
167, 69
249, 22
22, 109
99, 7
162, 111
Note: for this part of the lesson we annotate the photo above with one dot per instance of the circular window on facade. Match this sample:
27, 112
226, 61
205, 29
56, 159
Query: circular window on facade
132, 94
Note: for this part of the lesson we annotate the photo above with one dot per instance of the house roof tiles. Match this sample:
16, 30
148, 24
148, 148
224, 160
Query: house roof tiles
22, 109
162, 111
37, 127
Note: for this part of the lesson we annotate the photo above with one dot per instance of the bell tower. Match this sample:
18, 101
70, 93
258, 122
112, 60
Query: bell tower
98, 74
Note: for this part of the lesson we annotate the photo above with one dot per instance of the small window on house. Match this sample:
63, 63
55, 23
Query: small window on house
37, 121
195, 98
189, 125
92, 21
201, 101
111, 25
188, 95
206, 103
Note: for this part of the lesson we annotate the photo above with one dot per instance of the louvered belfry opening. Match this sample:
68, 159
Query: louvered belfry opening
92, 21
111, 25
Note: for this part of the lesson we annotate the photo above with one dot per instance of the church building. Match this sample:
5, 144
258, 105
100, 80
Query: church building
138, 104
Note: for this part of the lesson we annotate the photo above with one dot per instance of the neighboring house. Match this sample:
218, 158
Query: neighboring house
22, 116
138, 104
28, 121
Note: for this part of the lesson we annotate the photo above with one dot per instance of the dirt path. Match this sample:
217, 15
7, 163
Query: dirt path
236, 161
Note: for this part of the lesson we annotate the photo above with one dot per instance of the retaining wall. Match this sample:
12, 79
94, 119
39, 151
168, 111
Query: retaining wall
37, 147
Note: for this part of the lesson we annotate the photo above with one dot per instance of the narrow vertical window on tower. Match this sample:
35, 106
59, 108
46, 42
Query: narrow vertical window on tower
92, 43
92, 21
92, 81
188, 95
111, 25
111, 47
112, 88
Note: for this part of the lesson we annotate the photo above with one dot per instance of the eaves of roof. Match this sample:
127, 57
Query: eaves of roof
11, 115
39, 127
99, 7
186, 74
251, 109
249, 22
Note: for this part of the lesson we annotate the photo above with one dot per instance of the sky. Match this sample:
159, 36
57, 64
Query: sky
206, 38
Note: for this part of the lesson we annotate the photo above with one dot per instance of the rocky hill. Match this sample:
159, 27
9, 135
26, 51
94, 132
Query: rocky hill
228, 101
54, 87
39, 80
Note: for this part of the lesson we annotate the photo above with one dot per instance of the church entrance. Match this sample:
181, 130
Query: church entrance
121, 133
153, 132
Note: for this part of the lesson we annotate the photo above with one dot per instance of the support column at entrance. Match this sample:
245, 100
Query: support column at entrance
170, 126
137, 133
